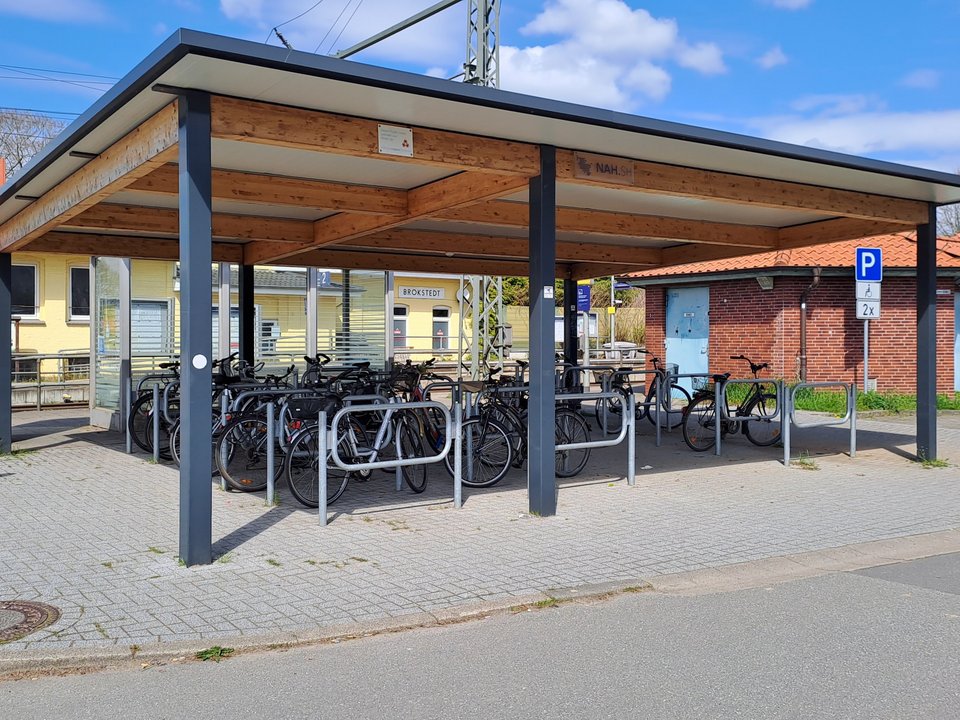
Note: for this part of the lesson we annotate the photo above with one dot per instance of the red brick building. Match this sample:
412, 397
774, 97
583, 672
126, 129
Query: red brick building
703, 313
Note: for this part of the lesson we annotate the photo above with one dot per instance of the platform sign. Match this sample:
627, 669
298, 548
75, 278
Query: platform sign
583, 298
869, 265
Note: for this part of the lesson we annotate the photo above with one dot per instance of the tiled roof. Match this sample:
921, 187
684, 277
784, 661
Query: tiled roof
899, 251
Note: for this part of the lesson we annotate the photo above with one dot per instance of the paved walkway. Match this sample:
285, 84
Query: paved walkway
94, 532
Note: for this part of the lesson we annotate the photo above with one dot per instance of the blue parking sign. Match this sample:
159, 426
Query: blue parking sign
869, 264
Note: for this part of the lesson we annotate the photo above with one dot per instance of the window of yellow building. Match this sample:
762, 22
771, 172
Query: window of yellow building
25, 292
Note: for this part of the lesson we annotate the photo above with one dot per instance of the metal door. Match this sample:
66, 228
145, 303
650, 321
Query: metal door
956, 342
688, 330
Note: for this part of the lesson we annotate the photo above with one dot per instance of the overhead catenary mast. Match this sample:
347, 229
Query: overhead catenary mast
483, 334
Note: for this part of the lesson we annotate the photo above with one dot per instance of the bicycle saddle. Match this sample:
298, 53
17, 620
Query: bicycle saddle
721, 377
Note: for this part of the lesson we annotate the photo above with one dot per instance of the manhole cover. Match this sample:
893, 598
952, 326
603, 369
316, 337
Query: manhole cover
19, 618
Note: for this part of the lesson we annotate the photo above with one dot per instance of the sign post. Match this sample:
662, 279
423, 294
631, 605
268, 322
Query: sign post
869, 274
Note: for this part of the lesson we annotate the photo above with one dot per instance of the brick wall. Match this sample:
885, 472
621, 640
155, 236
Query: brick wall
765, 326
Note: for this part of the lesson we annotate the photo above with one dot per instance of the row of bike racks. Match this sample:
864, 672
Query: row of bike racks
464, 398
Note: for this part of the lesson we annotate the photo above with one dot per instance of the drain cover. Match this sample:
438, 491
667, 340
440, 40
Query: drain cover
19, 618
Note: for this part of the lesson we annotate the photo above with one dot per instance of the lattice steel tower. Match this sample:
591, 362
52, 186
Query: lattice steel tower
483, 43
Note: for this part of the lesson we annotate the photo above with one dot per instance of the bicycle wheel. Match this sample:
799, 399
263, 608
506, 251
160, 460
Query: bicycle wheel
613, 409
671, 407
302, 464
216, 429
410, 445
700, 423
762, 432
511, 421
242, 454
571, 428
487, 453
139, 422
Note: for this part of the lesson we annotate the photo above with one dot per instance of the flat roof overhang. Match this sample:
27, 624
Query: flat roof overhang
299, 177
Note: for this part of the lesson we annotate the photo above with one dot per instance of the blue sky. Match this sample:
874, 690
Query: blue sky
870, 77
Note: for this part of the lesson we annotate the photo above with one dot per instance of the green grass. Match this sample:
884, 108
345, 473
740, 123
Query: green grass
215, 653
836, 402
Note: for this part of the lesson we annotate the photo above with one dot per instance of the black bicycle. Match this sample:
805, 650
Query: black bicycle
758, 408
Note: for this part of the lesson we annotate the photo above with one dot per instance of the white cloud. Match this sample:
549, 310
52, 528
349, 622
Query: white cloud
702, 57
772, 58
790, 4
63, 11
870, 133
605, 54
921, 79
837, 104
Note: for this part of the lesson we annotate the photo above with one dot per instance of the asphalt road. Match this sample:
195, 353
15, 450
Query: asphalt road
879, 643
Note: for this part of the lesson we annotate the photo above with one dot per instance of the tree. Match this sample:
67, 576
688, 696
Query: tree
23, 135
948, 220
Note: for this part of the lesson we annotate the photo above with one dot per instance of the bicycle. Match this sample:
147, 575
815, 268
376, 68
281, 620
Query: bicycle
757, 409
672, 403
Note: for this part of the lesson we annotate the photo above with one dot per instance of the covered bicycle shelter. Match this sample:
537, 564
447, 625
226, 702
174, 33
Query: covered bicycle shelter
217, 149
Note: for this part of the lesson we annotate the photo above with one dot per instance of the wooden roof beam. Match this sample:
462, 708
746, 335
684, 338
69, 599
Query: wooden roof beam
425, 201
462, 244
284, 126
829, 231
279, 190
742, 189
141, 151
600, 222
331, 257
134, 219
148, 248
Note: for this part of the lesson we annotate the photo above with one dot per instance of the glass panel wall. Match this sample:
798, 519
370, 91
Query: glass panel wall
107, 326
351, 316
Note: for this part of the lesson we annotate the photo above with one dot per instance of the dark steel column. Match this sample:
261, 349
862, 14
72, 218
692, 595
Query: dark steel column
196, 318
570, 336
927, 338
541, 478
247, 313
6, 355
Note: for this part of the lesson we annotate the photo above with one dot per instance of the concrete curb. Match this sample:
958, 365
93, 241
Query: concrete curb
726, 578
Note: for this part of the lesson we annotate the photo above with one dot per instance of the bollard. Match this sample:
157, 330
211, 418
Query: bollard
632, 439
457, 456
322, 468
129, 437
853, 420
658, 391
224, 405
270, 453
156, 422
718, 415
785, 422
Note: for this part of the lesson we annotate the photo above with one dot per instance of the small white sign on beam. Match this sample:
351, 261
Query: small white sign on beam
868, 291
394, 140
868, 309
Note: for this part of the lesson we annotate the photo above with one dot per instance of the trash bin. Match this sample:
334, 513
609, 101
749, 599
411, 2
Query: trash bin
620, 350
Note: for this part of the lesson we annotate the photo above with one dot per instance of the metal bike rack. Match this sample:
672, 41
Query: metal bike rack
607, 382
721, 404
156, 419
627, 429
791, 419
327, 447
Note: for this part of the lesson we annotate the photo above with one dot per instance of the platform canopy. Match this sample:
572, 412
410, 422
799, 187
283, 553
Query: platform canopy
326, 162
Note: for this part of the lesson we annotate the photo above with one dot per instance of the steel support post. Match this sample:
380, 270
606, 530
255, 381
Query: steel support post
196, 317
312, 278
247, 331
541, 477
223, 310
927, 337
6, 354
126, 344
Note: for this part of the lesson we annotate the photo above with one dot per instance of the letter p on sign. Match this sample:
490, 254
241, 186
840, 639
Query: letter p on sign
869, 264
